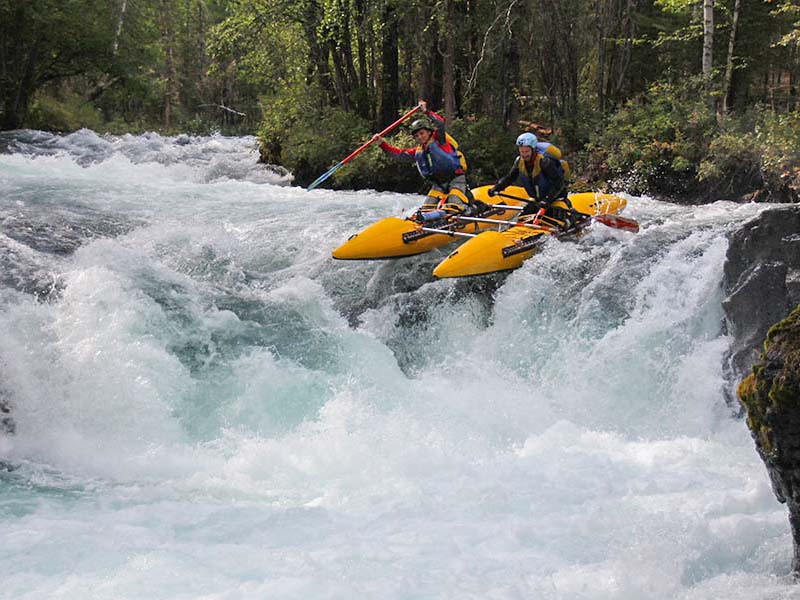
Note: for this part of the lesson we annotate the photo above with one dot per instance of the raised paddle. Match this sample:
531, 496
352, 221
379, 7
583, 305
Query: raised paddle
358, 150
614, 221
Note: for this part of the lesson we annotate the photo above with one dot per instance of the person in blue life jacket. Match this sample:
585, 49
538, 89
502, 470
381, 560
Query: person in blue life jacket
541, 171
440, 162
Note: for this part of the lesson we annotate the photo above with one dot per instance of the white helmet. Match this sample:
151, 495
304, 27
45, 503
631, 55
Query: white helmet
527, 139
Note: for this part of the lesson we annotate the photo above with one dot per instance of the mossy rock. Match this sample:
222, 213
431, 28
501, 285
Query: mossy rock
771, 397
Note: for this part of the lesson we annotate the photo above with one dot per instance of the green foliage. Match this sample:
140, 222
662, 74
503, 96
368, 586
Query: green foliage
374, 169
283, 112
791, 11
756, 159
677, 6
656, 142
261, 51
309, 152
47, 40
487, 146
732, 164
615, 80
308, 140
779, 137
668, 142
134, 104
68, 114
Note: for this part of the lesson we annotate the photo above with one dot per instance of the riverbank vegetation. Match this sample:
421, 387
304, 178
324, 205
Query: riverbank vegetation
693, 99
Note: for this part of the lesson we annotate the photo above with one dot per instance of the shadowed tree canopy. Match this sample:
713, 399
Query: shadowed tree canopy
42, 41
309, 73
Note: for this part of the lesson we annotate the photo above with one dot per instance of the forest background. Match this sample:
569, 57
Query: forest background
690, 99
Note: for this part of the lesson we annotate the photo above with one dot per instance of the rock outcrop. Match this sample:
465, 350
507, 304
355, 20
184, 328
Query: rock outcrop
7, 427
771, 398
6, 422
762, 282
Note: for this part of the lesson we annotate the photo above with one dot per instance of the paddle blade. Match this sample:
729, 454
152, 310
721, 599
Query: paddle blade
617, 222
325, 175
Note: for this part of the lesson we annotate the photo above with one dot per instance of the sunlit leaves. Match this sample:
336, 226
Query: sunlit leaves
261, 42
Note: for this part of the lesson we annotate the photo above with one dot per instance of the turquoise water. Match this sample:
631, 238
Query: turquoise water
208, 406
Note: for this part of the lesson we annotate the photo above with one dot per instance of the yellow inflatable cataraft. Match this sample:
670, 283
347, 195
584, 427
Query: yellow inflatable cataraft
394, 238
503, 250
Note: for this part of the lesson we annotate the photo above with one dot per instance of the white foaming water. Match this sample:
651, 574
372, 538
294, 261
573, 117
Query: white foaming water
208, 406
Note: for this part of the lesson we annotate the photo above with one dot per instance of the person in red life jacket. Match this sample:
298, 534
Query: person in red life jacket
440, 162
540, 170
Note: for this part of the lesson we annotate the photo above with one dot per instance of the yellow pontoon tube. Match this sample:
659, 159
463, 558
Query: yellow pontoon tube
394, 238
493, 251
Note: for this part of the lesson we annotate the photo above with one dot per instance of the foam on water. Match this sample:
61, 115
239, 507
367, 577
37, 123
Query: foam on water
208, 406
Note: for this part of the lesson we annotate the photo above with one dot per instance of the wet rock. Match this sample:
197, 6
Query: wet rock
7, 424
7, 427
762, 282
771, 397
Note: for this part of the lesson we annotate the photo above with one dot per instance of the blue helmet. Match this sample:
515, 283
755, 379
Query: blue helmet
527, 139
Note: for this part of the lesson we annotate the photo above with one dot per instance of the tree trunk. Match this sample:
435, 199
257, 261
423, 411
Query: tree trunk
726, 85
572, 82
341, 51
708, 41
340, 82
409, 95
317, 68
105, 81
390, 67
362, 98
510, 75
16, 100
347, 56
600, 40
168, 37
19, 57
427, 85
558, 57
120, 22
627, 49
448, 65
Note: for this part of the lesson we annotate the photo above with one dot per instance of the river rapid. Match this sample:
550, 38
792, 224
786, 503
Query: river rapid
207, 406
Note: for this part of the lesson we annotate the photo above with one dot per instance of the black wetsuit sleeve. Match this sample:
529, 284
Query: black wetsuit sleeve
509, 178
553, 170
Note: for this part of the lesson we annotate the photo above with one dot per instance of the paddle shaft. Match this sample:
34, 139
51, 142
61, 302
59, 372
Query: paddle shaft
361, 148
604, 219
448, 232
501, 222
520, 198
506, 207
534, 225
608, 220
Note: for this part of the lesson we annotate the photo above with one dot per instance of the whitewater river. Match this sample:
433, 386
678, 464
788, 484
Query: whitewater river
208, 406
